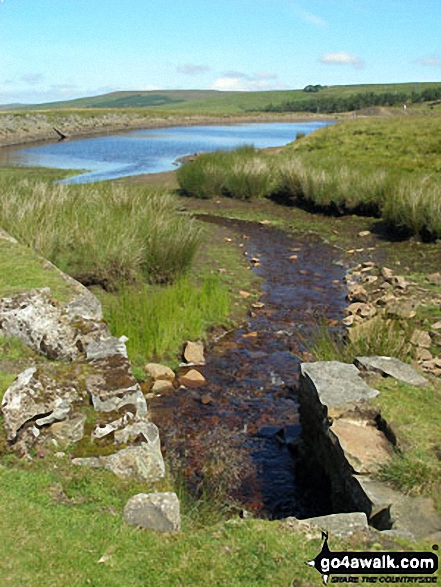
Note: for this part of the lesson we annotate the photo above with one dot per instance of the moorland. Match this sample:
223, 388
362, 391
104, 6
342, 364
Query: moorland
141, 248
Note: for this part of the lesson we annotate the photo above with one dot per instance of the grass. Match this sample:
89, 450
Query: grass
22, 269
68, 522
157, 320
415, 468
243, 174
211, 102
386, 167
376, 337
100, 233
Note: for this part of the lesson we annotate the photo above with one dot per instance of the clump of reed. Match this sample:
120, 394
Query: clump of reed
157, 319
101, 233
243, 174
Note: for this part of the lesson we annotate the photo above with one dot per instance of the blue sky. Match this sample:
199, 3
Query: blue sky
61, 49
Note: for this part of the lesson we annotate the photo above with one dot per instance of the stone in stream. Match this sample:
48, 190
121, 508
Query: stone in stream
194, 353
192, 379
154, 511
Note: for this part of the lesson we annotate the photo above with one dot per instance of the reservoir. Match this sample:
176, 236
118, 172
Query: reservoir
153, 150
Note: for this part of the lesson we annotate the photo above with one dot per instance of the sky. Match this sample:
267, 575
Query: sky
62, 49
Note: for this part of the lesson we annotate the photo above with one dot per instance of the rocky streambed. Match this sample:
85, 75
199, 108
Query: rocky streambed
243, 423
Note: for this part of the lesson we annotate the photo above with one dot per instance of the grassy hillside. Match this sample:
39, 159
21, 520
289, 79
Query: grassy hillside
211, 101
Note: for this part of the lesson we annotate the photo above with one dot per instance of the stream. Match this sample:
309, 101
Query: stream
242, 428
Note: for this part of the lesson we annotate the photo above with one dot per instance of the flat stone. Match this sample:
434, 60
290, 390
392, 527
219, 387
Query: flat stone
402, 309
399, 282
194, 353
365, 447
392, 367
69, 431
386, 273
45, 326
103, 349
337, 384
157, 371
437, 325
414, 517
422, 354
192, 379
357, 294
364, 233
421, 338
341, 525
154, 511
140, 462
112, 386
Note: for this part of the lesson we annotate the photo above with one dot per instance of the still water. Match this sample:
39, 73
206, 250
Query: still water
153, 151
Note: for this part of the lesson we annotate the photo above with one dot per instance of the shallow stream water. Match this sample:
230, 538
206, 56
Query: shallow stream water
247, 414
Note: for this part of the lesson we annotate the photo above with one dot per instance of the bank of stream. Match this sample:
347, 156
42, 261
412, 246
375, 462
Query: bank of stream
242, 428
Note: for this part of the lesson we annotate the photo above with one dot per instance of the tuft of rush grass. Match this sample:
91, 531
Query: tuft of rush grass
381, 167
158, 319
101, 233
375, 337
242, 173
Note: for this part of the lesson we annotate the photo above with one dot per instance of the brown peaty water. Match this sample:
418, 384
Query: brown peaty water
241, 430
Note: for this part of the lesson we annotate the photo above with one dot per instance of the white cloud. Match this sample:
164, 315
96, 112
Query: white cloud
311, 18
242, 82
432, 61
192, 69
342, 58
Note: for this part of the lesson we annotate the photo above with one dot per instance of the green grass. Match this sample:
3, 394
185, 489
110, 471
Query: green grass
415, 468
376, 337
385, 167
211, 101
243, 174
22, 269
100, 233
157, 320
68, 524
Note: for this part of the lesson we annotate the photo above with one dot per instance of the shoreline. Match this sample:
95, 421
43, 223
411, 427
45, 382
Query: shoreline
40, 136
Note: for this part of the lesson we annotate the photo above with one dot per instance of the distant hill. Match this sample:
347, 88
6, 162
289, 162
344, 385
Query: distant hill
218, 102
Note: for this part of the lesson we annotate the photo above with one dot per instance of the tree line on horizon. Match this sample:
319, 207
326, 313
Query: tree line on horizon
334, 103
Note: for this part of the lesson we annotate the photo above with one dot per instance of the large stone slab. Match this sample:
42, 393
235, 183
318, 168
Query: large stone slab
48, 327
412, 517
338, 385
392, 367
143, 461
364, 446
154, 511
342, 525
112, 385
